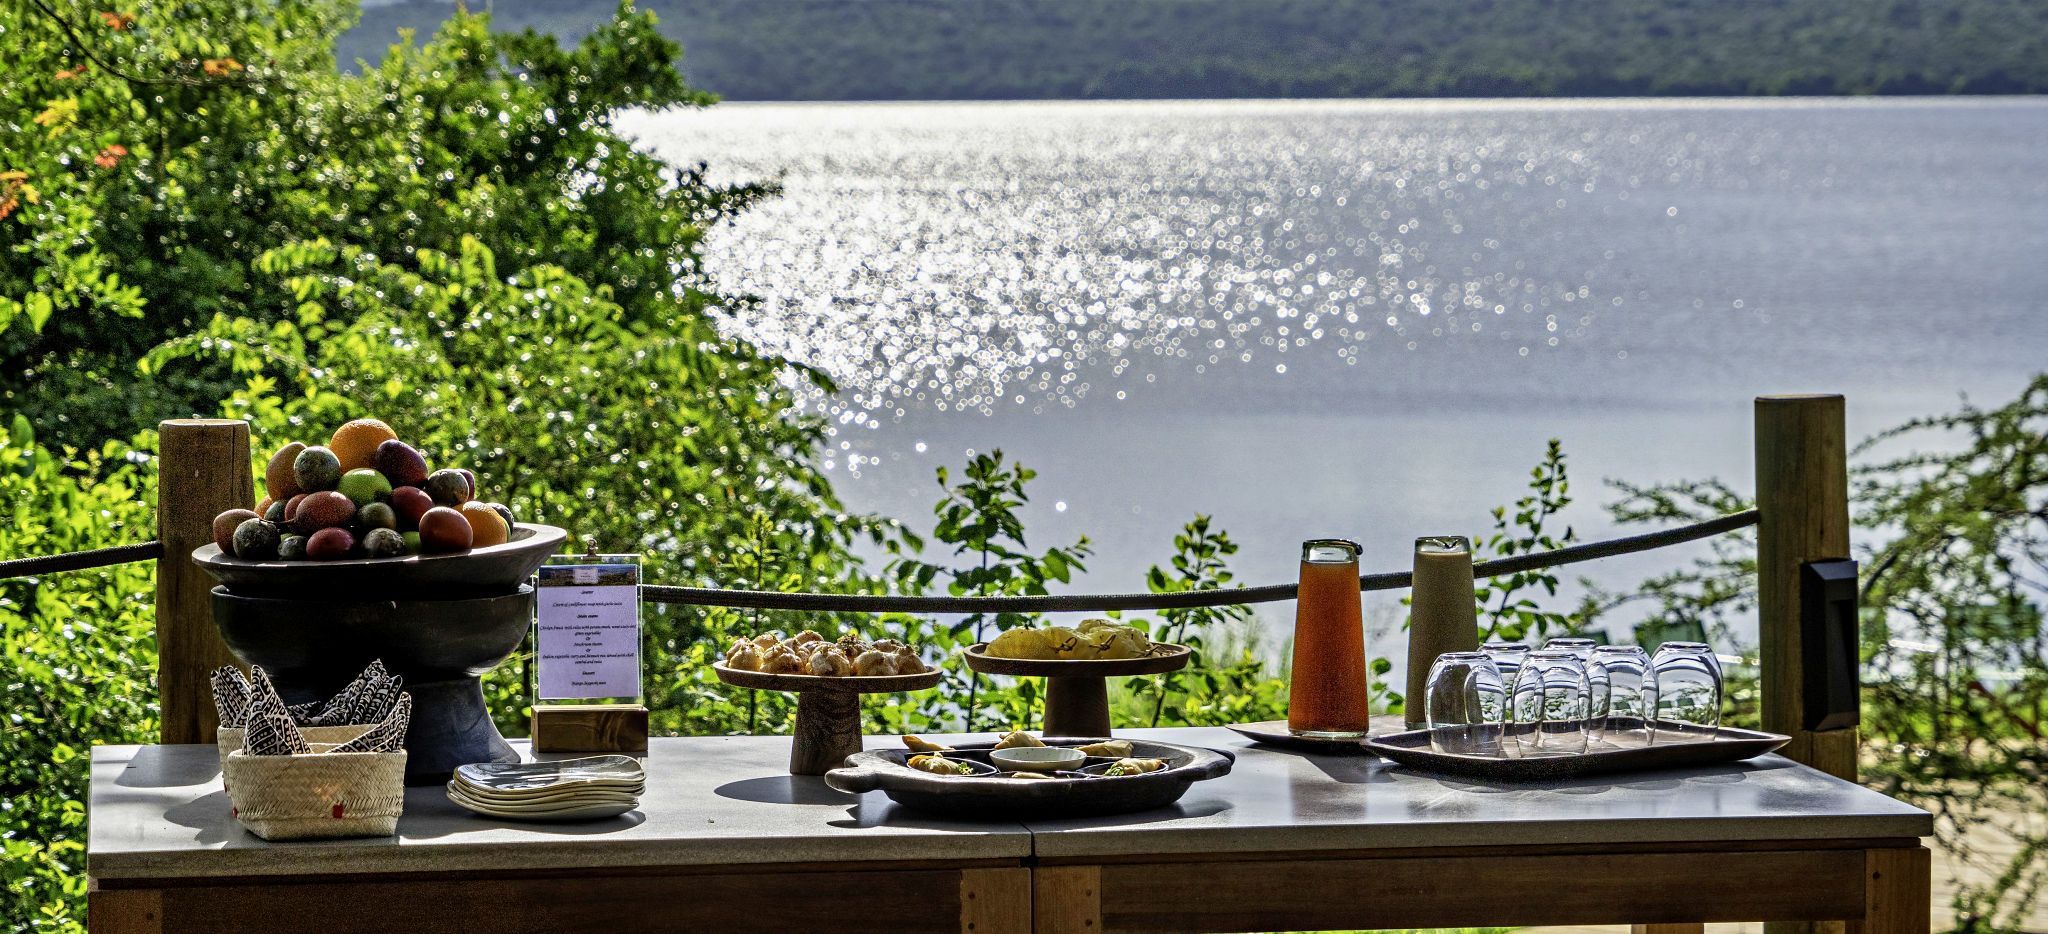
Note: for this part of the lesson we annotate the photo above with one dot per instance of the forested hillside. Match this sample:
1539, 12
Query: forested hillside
983, 49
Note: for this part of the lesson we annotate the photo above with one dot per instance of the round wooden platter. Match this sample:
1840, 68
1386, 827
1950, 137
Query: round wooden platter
1164, 657
1076, 696
827, 709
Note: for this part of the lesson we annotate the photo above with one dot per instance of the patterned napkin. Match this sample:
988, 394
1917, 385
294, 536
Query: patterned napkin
270, 730
386, 736
370, 698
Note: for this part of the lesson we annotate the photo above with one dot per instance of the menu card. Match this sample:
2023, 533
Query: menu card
587, 629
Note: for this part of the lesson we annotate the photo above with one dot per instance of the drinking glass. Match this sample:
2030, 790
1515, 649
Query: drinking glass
1583, 648
1328, 698
1688, 686
1507, 656
1624, 694
1466, 704
1547, 710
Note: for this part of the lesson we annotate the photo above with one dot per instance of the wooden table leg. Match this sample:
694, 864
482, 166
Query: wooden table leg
1077, 707
1897, 892
1066, 899
995, 901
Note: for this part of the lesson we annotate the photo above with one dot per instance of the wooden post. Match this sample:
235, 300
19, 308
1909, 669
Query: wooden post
1802, 490
202, 471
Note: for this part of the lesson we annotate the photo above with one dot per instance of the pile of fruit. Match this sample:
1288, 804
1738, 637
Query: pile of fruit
365, 494
1093, 639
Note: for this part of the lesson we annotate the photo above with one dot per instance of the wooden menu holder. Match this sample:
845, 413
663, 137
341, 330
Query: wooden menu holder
619, 728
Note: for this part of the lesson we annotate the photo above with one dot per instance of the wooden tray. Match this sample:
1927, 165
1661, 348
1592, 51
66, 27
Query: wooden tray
827, 709
478, 572
1604, 758
1076, 696
983, 797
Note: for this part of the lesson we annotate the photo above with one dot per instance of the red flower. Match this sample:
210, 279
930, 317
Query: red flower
110, 156
70, 73
117, 21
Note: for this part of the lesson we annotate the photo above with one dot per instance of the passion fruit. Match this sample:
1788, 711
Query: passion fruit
316, 469
486, 526
330, 545
443, 530
224, 526
255, 540
448, 487
278, 477
323, 510
383, 543
401, 464
411, 502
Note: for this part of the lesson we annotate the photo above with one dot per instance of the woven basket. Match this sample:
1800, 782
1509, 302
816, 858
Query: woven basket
326, 794
229, 739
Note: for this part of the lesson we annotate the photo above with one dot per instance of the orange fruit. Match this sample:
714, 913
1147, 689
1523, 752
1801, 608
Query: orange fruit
355, 444
486, 526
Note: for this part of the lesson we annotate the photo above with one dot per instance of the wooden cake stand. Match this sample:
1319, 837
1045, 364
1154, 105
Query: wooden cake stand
827, 710
1076, 692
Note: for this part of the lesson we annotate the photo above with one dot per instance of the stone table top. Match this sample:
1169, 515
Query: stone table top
1279, 800
160, 812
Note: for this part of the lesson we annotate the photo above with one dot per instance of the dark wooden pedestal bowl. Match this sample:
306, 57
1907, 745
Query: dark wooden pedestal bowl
827, 710
489, 571
312, 648
1076, 696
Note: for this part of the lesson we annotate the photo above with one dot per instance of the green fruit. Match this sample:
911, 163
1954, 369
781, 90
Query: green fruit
448, 487
383, 543
291, 548
276, 513
377, 516
316, 469
364, 485
255, 540
412, 542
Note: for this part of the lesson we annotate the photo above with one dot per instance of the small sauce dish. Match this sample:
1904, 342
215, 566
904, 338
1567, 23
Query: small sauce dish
1037, 758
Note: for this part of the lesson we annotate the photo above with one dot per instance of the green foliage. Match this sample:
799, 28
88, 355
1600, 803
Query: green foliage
978, 518
1955, 653
1039, 49
1505, 610
1227, 680
77, 657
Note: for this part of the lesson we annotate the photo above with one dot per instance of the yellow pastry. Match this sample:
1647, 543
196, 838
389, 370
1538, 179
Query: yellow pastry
1135, 767
1018, 738
1111, 748
920, 744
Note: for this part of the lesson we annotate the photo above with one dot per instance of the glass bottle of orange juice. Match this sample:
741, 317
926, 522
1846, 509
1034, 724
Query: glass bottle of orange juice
1328, 699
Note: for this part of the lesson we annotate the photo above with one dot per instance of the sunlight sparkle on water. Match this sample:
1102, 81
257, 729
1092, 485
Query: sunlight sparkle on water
966, 257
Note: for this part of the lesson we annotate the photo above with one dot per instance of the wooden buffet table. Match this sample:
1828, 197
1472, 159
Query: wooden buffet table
725, 840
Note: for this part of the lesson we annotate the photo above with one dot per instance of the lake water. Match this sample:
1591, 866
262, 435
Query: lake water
1364, 318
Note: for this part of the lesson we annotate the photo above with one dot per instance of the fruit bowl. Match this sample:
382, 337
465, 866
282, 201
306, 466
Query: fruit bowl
312, 648
492, 570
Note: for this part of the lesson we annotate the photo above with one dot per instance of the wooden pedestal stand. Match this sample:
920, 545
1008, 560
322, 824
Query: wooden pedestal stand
1076, 692
620, 728
827, 710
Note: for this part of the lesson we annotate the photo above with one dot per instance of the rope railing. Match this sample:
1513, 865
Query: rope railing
1071, 603
81, 560
1055, 603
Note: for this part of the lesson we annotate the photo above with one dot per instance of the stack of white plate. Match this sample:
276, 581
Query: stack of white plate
571, 789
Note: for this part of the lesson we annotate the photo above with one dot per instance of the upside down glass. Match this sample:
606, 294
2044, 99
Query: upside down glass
1507, 656
1688, 685
1624, 695
1466, 704
1581, 647
1547, 707
1328, 698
